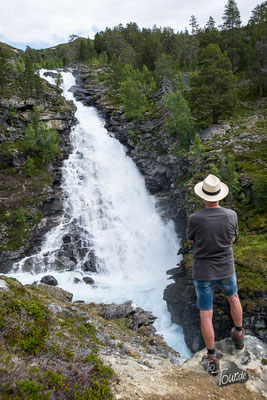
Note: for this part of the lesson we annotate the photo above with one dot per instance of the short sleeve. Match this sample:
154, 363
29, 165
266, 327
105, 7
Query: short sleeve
190, 231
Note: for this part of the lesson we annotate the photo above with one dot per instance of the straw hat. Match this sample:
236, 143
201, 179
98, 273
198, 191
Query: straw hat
211, 189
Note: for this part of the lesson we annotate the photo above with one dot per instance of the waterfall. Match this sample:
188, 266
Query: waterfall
109, 227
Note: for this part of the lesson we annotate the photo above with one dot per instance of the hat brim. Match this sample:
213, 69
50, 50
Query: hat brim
223, 193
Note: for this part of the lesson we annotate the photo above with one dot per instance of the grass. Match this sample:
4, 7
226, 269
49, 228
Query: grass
38, 363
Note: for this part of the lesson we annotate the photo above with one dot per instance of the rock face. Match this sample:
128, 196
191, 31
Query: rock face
181, 301
15, 126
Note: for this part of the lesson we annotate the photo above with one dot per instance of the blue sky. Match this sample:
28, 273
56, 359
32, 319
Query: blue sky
45, 23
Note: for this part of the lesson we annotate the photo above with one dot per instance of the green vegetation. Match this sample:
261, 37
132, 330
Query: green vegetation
36, 362
179, 120
40, 139
212, 94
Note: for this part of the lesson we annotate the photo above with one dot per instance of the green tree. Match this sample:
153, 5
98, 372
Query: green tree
212, 93
232, 33
259, 190
179, 119
258, 51
132, 96
59, 81
165, 66
41, 139
4, 70
83, 55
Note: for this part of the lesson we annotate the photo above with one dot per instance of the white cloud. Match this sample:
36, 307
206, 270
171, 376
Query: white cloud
52, 21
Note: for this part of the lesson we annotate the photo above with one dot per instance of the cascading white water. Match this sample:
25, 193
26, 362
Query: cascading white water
107, 209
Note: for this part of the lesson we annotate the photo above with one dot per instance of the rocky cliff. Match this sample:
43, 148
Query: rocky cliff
30, 200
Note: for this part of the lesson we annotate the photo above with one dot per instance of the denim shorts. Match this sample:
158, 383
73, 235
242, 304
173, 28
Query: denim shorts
204, 291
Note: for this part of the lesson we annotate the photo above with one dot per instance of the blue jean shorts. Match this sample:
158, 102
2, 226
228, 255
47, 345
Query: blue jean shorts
204, 291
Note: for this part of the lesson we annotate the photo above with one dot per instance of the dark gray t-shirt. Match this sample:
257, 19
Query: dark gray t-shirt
212, 230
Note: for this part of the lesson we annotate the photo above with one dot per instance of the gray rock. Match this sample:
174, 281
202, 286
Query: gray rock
88, 280
49, 280
212, 130
114, 311
4, 286
244, 135
249, 359
142, 318
76, 280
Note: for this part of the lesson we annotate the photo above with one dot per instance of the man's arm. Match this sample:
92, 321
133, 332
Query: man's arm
190, 231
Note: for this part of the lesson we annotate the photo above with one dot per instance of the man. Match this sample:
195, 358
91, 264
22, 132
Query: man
212, 232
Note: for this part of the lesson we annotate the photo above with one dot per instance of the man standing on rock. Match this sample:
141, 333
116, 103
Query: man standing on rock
212, 231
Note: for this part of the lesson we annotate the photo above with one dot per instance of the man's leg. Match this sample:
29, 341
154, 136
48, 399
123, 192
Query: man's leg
236, 309
207, 327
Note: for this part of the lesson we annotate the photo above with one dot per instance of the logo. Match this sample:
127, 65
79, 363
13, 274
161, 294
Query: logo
230, 373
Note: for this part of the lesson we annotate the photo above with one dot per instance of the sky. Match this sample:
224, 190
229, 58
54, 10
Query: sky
45, 23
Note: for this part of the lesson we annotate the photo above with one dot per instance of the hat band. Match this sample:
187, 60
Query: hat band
209, 193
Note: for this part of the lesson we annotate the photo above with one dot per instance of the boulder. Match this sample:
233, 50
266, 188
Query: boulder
58, 293
49, 280
88, 280
251, 359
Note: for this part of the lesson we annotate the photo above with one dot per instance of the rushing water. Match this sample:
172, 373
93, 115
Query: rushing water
107, 209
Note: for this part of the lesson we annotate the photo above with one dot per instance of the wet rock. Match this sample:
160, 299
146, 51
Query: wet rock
91, 263
76, 280
49, 280
88, 280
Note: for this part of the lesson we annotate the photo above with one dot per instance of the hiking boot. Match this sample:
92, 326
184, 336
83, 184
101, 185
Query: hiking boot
238, 339
210, 363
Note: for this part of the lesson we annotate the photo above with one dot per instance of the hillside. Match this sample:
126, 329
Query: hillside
53, 348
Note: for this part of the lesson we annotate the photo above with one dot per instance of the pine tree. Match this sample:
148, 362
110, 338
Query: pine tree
179, 118
232, 33
212, 93
231, 16
258, 50
210, 25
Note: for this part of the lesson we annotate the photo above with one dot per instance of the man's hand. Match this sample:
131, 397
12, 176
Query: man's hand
191, 241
